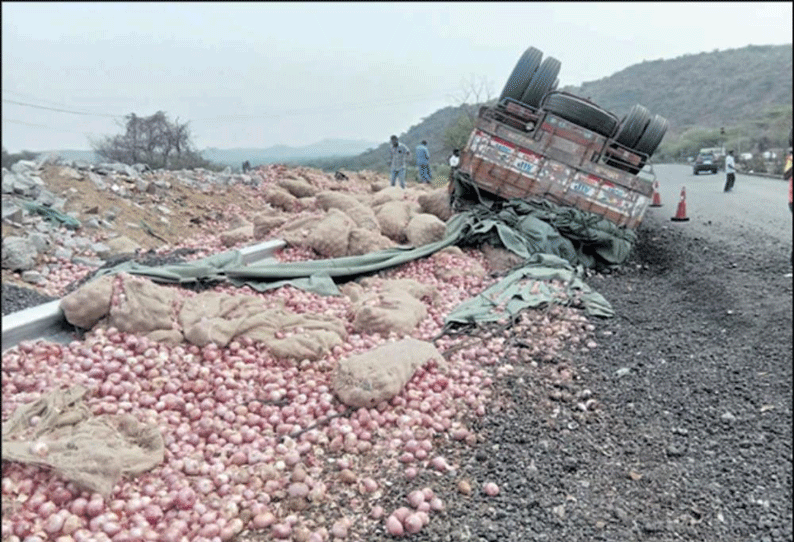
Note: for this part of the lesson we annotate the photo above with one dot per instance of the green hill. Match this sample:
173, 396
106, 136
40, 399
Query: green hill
746, 91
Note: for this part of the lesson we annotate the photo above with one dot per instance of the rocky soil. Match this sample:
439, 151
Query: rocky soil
676, 427
690, 436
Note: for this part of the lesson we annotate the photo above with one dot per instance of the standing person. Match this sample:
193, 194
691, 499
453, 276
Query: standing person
399, 152
787, 174
423, 162
730, 172
454, 160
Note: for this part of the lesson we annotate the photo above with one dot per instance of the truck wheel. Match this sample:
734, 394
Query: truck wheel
633, 126
652, 135
542, 82
522, 74
579, 111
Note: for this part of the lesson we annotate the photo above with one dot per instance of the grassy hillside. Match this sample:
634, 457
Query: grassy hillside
746, 91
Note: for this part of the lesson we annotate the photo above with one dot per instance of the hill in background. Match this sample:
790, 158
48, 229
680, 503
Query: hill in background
327, 148
747, 91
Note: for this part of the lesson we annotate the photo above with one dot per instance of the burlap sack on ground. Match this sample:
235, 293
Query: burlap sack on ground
317, 178
87, 305
94, 452
364, 380
119, 245
362, 215
280, 199
238, 235
330, 237
142, 305
393, 218
298, 188
390, 193
364, 241
436, 203
452, 262
215, 317
500, 259
296, 232
263, 225
383, 306
424, 229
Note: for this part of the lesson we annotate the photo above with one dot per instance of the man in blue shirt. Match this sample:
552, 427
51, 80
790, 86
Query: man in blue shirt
423, 162
398, 154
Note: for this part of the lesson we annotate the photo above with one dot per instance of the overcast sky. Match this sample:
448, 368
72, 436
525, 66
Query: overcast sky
260, 74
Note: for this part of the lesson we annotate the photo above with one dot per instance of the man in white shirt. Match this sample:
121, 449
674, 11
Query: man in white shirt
730, 172
454, 160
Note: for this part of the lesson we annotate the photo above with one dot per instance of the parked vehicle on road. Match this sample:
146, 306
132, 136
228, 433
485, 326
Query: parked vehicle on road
705, 161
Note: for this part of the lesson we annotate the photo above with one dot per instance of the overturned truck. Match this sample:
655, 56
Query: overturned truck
548, 147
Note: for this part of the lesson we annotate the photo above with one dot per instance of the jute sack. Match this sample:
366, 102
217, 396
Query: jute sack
385, 306
362, 215
364, 380
237, 235
364, 241
263, 225
94, 452
330, 237
424, 229
393, 218
390, 193
219, 317
378, 185
436, 203
87, 305
298, 188
296, 232
280, 199
142, 306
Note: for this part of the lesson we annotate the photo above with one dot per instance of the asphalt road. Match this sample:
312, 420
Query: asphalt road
757, 206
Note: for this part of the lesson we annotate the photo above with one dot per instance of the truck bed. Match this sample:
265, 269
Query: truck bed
555, 160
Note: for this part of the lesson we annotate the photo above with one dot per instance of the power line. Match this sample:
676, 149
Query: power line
63, 110
34, 98
14, 121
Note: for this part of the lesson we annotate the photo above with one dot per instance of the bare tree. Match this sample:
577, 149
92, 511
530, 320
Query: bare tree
474, 92
152, 140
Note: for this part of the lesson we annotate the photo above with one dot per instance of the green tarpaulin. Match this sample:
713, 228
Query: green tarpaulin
552, 240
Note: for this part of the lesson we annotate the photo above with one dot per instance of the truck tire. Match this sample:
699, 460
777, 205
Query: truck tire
542, 82
633, 126
522, 74
580, 111
652, 135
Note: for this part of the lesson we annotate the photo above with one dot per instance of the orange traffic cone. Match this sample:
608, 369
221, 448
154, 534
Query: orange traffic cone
680, 215
657, 200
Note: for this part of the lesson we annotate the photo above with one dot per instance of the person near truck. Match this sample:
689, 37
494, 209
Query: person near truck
423, 162
730, 172
787, 174
399, 152
454, 160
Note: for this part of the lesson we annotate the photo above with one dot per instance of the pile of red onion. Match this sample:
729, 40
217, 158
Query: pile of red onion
242, 449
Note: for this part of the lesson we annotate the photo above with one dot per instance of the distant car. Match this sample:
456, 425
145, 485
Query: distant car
705, 162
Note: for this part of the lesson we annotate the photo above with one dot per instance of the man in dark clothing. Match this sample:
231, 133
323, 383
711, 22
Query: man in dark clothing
423, 162
730, 172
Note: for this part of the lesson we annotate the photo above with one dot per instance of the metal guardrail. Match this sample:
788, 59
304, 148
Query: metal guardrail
47, 321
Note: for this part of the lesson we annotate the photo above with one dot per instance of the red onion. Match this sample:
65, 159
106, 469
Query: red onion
394, 526
490, 489
413, 523
281, 531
